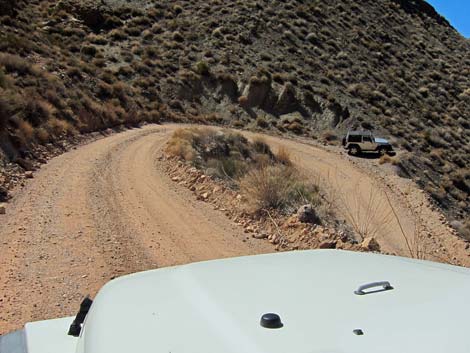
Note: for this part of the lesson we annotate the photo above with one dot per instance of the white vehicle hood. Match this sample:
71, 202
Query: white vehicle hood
216, 306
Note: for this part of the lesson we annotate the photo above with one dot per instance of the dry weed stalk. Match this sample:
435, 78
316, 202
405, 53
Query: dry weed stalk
281, 238
416, 242
366, 215
372, 216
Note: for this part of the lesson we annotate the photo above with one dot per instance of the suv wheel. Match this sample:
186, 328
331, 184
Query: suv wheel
382, 151
354, 150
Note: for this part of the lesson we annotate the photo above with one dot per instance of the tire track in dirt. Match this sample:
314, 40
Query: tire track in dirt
97, 212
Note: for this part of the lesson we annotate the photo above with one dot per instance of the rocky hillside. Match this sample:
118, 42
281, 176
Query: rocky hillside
313, 68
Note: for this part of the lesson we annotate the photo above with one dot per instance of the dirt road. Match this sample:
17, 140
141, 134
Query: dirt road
106, 209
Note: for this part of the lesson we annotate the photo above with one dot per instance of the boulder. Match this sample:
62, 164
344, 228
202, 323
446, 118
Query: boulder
29, 174
457, 225
370, 244
25, 164
306, 214
248, 230
260, 236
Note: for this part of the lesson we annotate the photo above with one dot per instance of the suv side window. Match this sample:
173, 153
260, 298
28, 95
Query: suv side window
367, 139
354, 138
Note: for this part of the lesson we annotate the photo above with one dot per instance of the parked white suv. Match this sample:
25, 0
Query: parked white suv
357, 142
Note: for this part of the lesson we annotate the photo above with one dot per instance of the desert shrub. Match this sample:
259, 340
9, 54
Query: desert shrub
118, 34
283, 156
278, 187
112, 22
262, 122
89, 50
59, 127
329, 136
213, 118
42, 135
98, 39
177, 9
181, 147
243, 101
15, 63
74, 72
261, 146
36, 110
26, 130
434, 139
387, 159
280, 77
228, 167
151, 52
177, 36
7, 107
125, 71
3, 78
295, 127
16, 44
202, 67
238, 123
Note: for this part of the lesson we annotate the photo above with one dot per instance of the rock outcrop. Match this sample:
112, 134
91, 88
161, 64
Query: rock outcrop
307, 214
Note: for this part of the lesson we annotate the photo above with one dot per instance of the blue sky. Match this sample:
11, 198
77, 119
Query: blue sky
457, 12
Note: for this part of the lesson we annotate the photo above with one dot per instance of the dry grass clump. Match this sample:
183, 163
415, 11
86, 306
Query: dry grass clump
283, 156
37, 110
180, 145
59, 127
202, 67
329, 136
278, 186
262, 122
15, 63
42, 135
243, 101
26, 130
6, 107
3, 78
388, 159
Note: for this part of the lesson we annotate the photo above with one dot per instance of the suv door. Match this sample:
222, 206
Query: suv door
368, 143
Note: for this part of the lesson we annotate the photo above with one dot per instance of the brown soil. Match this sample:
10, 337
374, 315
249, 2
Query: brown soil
105, 209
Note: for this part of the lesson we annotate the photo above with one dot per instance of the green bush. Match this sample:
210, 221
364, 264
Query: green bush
202, 68
89, 50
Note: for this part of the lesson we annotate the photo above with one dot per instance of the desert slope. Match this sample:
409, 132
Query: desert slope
310, 68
